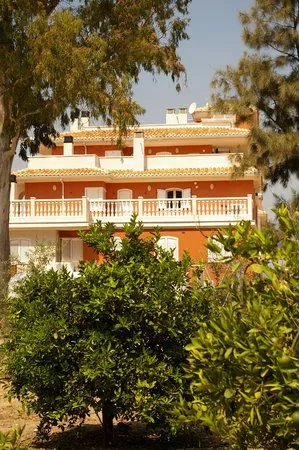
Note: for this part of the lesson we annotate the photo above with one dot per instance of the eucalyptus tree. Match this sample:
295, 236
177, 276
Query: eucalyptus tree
57, 56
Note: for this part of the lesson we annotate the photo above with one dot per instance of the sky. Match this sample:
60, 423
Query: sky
215, 41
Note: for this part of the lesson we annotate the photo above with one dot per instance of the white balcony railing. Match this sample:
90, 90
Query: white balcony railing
151, 211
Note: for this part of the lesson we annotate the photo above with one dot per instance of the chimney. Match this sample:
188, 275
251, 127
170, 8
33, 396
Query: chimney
74, 125
84, 119
68, 145
171, 117
182, 116
176, 118
13, 187
138, 151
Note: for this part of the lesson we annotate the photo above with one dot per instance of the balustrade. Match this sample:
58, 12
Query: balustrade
89, 210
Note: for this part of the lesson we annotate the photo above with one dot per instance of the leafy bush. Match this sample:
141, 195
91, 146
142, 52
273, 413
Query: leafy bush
244, 362
112, 339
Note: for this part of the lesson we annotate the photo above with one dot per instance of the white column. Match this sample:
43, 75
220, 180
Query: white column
250, 206
140, 207
193, 206
138, 151
32, 206
85, 208
68, 146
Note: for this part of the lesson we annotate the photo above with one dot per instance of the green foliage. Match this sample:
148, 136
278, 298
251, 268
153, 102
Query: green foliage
56, 57
112, 338
12, 440
243, 365
267, 79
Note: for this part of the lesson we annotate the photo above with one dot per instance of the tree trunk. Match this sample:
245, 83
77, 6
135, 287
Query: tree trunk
6, 158
5, 172
108, 424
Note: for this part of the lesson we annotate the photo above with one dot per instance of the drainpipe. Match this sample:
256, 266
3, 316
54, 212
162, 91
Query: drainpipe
138, 151
62, 188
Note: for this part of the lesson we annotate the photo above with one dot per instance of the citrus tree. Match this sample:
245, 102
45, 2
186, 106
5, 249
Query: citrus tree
112, 339
243, 364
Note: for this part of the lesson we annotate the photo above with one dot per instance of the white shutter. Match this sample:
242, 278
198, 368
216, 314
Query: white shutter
186, 204
65, 250
124, 194
77, 250
187, 193
161, 193
172, 244
94, 193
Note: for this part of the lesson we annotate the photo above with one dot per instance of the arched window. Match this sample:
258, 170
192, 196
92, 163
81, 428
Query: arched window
170, 243
125, 206
175, 198
124, 194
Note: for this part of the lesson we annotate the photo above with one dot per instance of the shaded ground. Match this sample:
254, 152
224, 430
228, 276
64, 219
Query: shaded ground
90, 437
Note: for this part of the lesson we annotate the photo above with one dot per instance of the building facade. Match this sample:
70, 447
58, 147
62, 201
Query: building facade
176, 175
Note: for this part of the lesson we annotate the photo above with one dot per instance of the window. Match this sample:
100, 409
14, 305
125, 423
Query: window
170, 243
71, 250
124, 194
19, 249
94, 193
173, 198
125, 207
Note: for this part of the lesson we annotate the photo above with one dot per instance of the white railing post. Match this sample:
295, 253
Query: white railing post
85, 208
140, 207
193, 205
32, 206
250, 206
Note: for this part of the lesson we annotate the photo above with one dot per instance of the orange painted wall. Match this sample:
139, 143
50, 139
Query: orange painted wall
191, 240
225, 188
71, 189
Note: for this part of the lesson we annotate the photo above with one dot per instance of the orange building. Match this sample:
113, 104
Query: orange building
177, 175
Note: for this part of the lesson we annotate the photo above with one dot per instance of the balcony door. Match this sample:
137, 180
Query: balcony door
125, 205
95, 195
174, 198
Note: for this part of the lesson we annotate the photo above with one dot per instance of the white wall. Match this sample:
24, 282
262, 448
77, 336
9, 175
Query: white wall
63, 162
34, 237
187, 161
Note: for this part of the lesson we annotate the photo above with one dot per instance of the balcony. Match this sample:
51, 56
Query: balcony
167, 213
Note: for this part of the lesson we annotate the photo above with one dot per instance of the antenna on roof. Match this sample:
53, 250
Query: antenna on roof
192, 108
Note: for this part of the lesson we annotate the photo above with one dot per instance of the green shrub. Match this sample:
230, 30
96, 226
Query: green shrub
112, 339
243, 364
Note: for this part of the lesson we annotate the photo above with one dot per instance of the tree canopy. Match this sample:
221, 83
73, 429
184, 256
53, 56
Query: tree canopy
58, 56
243, 363
267, 79
112, 339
